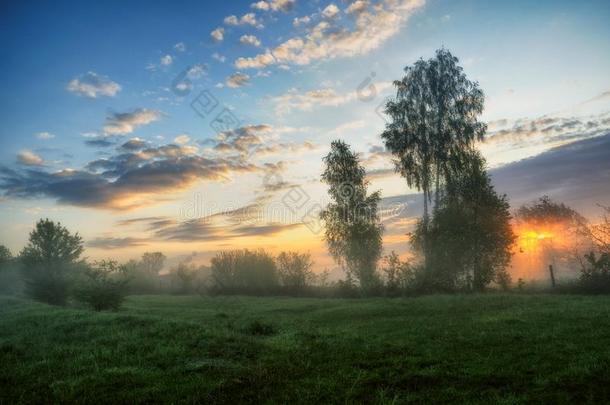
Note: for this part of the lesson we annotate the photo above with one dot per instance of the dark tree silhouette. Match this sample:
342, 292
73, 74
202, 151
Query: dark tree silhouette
49, 261
470, 234
353, 232
152, 263
434, 123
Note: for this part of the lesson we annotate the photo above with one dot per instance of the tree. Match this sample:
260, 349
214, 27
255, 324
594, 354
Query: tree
434, 123
352, 227
470, 235
244, 271
5, 256
294, 269
103, 285
152, 263
187, 275
49, 261
399, 275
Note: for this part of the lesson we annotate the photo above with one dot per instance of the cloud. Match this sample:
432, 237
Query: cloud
237, 80
134, 144
180, 47
182, 139
246, 19
218, 34
126, 180
357, 7
324, 97
92, 85
219, 57
298, 21
115, 243
250, 40
274, 5
126, 123
166, 60
45, 135
328, 40
577, 173
29, 158
331, 11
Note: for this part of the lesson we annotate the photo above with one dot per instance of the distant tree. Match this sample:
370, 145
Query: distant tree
102, 286
152, 263
50, 261
600, 232
352, 227
244, 271
545, 211
434, 123
5, 256
399, 275
470, 235
186, 274
294, 269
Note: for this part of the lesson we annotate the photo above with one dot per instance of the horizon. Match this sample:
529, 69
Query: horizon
187, 129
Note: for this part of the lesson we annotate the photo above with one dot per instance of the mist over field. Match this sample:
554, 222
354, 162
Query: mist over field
298, 201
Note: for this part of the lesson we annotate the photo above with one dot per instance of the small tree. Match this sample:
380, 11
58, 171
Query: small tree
353, 231
152, 263
103, 286
244, 271
187, 275
399, 275
50, 261
294, 269
5, 256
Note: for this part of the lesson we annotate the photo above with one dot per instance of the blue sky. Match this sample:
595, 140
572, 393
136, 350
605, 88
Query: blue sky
82, 80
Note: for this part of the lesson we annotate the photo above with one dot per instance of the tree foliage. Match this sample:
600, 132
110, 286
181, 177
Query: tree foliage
152, 262
244, 271
294, 269
434, 123
49, 261
352, 227
470, 234
102, 286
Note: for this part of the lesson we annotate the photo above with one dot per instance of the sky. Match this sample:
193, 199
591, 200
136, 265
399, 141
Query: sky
192, 127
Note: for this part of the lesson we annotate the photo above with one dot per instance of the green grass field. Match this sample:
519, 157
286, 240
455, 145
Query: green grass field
176, 349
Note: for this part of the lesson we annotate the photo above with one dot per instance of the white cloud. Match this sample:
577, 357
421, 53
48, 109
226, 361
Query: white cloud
92, 85
166, 60
45, 135
182, 139
180, 47
219, 57
126, 123
298, 21
274, 5
246, 19
218, 34
326, 40
324, 97
357, 7
250, 40
237, 80
29, 158
331, 11
197, 71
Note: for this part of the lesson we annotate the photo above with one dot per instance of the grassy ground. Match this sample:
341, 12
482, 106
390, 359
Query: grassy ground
481, 348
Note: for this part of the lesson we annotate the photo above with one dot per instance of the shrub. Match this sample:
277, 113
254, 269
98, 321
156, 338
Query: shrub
294, 270
244, 271
398, 275
50, 261
103, 286
595, 274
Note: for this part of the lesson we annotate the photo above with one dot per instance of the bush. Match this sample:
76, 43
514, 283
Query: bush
399, 276
595, 274
103, 286
294, 270
244, 271
50, 261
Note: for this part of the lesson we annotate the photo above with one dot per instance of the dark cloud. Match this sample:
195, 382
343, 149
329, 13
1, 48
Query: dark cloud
100, 142
126, 180
134, 144
115, 243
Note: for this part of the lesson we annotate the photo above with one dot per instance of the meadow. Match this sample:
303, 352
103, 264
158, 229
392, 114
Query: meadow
476, 348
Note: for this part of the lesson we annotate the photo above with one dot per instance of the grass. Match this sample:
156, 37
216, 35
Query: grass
177, 349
